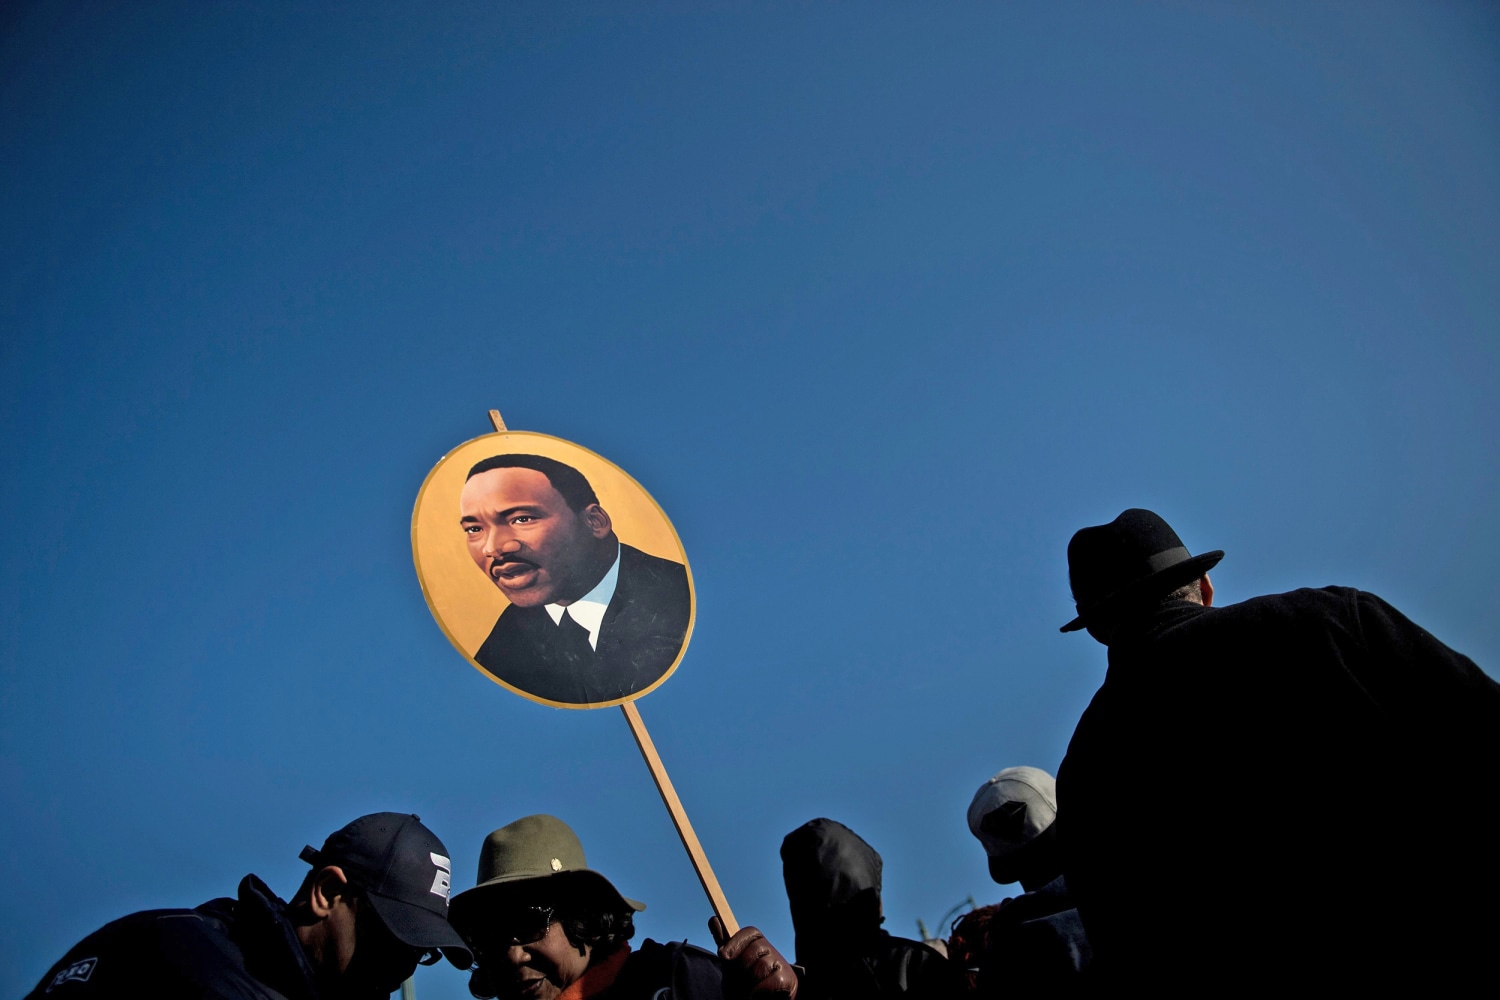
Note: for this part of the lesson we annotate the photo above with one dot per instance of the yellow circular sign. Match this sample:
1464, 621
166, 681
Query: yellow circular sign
551, 570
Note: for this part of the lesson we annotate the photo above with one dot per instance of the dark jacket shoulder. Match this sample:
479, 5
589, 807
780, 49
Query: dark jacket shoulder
651, 570
1037, 938
913, 968
684, 971
218, 950
889, 966
651, 608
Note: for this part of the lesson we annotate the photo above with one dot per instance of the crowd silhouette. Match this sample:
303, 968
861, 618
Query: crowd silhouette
1290, 790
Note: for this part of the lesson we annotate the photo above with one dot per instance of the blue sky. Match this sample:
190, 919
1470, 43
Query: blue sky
880, 302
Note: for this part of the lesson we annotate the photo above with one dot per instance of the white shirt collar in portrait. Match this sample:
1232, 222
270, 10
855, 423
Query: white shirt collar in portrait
589, 609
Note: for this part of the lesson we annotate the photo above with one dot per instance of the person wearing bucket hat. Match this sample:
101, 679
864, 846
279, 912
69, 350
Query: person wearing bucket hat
373, 907
1294, 787
545, 926
1034, 941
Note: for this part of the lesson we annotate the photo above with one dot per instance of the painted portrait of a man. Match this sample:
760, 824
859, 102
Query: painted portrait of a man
590, 618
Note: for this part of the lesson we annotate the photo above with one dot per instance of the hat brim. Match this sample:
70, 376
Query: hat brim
421, 928
1158, 584
497, 888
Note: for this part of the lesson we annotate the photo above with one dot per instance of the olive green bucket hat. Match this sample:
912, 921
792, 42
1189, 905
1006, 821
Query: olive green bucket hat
530, 849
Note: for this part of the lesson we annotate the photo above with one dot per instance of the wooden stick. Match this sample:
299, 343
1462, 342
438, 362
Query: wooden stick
669, 797
679, 818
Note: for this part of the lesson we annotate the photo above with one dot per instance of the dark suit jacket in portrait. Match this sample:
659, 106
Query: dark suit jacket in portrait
639, 639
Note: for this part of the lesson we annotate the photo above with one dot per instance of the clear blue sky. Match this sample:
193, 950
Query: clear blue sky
881, 302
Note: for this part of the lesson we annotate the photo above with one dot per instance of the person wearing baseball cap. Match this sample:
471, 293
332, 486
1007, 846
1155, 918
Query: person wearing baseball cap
544, 926
1295, 788
372, 908
1034, 941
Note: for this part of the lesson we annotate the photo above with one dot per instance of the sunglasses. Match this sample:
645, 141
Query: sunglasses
522, 925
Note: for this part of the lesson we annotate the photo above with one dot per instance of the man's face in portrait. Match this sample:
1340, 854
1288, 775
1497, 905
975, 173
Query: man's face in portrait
528, 541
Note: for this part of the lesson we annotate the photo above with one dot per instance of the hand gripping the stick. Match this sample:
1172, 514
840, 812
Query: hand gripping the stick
756, 965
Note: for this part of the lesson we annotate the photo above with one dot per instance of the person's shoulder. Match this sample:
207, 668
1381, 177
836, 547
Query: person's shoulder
1303, 604
909, 958
1039, 903
673, 952
920, 949
686, 971
1298, 601
656, 579
633, 559
915, 968
512, 626
147, 948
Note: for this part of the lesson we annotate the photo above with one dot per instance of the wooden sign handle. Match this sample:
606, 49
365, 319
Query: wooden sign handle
679, 818
669, 797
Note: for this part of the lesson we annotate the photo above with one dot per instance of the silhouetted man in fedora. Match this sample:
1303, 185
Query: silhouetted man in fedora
1295, 789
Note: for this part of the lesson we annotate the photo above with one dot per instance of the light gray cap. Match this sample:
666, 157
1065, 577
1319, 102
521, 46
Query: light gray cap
1012, 809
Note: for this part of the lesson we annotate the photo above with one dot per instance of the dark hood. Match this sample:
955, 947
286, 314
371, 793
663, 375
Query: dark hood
833, 885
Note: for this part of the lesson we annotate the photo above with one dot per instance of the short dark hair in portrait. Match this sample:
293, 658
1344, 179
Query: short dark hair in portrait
566, 480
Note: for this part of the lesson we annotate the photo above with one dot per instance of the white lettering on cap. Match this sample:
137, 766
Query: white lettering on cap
444, 875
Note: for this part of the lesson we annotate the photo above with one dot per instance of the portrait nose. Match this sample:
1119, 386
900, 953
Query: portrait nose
517, 955
497, 543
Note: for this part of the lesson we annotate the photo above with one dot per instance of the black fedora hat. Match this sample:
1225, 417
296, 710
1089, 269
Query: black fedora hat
1132, 559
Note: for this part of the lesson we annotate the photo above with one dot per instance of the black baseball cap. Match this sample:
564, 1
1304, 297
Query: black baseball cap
403, 870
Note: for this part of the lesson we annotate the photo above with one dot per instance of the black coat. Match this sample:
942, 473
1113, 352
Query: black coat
643, 631
236, 949
1297, 788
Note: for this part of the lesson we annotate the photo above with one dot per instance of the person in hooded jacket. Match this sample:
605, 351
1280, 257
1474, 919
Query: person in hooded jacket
1033, 942
373, 907
833, 886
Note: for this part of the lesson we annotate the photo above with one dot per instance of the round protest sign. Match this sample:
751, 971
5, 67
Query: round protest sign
551, 570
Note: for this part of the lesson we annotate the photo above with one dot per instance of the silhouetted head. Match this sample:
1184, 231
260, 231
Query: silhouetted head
833, 887
1122, 569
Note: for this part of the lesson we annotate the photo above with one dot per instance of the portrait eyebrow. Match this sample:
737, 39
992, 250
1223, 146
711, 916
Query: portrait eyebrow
523, 508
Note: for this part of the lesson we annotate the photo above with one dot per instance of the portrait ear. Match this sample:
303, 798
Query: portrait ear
597, 520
